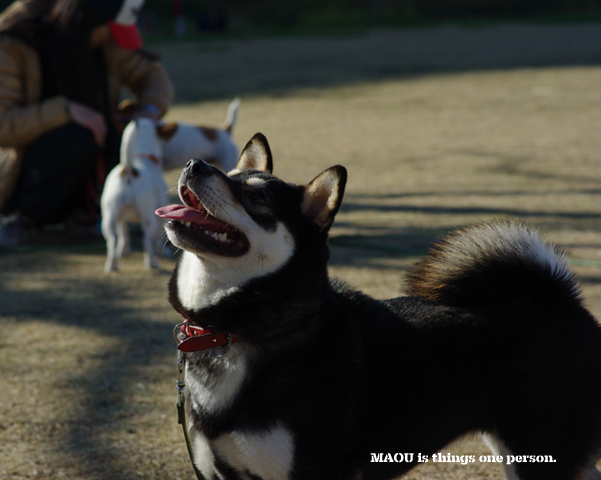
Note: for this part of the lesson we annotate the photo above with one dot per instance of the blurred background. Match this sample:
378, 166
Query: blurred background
244, 16
164, 18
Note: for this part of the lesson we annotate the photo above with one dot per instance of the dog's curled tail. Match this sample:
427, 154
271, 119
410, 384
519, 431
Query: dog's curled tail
493, 262
139, 140
232, 114
128, 145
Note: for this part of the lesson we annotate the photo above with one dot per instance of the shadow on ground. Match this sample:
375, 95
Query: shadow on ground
227, 68
98, 393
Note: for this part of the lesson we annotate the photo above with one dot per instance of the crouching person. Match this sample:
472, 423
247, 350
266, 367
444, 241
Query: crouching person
62, 65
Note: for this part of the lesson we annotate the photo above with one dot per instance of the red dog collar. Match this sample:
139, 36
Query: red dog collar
192, 338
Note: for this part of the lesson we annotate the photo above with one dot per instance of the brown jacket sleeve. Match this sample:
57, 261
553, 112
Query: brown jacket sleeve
23, 118
146, 79
21, 121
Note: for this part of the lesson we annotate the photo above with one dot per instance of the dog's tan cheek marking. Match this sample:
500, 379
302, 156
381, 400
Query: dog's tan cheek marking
209, 132
256, 182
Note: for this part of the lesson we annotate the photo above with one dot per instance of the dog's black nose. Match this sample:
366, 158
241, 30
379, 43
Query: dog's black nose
197, 168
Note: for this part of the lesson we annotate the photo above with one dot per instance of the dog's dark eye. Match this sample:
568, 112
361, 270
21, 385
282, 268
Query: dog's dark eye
260, 198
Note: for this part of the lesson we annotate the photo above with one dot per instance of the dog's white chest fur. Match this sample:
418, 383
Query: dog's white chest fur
216, 391
268, 454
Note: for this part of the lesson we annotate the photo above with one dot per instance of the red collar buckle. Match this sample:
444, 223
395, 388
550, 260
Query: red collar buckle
192, 338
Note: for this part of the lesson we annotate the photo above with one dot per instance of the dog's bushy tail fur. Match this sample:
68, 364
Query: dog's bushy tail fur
489, 263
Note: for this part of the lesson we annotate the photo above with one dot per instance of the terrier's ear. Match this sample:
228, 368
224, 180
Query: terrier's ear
323, 196
256, 155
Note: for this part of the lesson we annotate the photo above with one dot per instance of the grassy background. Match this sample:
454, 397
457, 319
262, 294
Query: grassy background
438, 128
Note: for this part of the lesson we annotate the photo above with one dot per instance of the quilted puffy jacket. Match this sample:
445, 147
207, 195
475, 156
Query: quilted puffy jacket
23, 117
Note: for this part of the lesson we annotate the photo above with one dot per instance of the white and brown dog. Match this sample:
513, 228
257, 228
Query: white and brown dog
136, 187
181, 141
133, 190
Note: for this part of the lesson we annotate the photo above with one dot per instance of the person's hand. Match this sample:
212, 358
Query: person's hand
147, 110
89, 118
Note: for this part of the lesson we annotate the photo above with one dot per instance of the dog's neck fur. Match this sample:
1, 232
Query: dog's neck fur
200, 283
252, 310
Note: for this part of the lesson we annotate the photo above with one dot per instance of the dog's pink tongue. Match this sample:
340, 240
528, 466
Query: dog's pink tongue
183, 213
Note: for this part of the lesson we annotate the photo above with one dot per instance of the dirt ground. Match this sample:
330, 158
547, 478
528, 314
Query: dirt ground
438, 128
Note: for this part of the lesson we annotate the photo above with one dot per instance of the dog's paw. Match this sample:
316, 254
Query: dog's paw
111, 266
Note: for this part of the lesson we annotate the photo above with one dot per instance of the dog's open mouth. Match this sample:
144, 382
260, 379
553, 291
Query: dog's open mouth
200, 230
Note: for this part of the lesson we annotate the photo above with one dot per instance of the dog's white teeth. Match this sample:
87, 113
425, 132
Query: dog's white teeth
219, 237
188, 224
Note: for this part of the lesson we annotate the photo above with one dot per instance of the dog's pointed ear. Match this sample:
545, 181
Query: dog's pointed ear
323, 196
256, 155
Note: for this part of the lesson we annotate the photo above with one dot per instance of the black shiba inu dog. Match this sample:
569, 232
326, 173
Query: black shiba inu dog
315, 380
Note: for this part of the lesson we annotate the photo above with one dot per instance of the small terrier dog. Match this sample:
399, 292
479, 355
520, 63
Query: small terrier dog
179, 142
133, 190
136, 187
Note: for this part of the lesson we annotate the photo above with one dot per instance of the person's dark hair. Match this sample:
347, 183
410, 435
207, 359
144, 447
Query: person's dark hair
60, 31
79, 72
